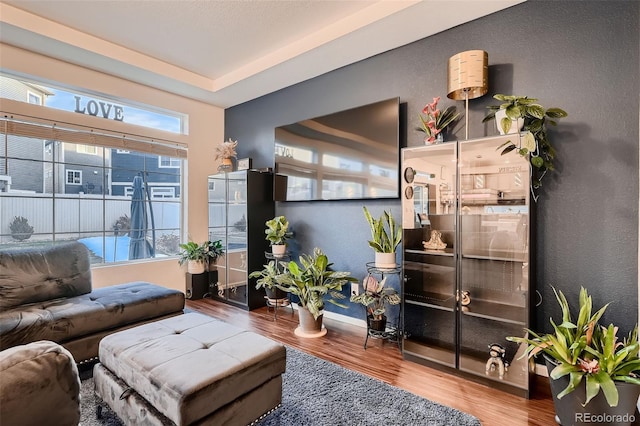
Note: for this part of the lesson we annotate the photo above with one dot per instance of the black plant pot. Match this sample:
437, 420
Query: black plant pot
569, 409
275, 293
377, 324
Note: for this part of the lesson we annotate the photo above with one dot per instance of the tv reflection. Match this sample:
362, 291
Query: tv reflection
351, 154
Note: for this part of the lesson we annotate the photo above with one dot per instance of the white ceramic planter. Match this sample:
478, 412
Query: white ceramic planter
516, 125
385, 260
195, 267
279, 250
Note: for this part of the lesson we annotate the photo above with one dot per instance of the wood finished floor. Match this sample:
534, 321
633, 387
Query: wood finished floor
382, 360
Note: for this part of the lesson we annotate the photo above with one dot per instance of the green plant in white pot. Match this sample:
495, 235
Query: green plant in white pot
314, 283
194, 255
277, 233
590, 370
386, 235
533, 143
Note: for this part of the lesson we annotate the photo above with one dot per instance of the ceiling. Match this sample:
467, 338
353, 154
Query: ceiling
226, 52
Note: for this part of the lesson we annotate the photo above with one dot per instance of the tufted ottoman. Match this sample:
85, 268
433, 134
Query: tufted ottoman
189, 369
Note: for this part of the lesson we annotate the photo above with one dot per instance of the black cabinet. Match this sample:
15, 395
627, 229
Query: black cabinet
239, 205
476, 291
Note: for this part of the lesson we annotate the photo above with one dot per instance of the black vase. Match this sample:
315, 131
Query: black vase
569, 409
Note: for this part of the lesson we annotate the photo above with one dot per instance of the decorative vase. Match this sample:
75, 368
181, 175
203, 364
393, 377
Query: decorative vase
569, 409
516, 125
438, 139
385, 260
226, 165
195, 267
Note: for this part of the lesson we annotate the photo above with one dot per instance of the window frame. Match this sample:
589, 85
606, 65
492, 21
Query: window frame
74, 171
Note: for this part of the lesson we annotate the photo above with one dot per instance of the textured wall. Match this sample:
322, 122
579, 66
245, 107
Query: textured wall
580, 56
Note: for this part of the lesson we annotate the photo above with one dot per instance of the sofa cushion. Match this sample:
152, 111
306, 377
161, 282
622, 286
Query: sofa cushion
40, 385
106, 308
36, 274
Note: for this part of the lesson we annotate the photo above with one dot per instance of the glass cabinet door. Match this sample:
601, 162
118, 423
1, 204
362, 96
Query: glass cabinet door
493, 237
429, 177
236, 254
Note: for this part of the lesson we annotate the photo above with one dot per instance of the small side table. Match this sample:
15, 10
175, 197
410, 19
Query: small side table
276, 303
393, 333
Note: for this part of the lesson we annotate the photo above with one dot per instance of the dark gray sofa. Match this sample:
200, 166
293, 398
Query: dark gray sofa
46, 294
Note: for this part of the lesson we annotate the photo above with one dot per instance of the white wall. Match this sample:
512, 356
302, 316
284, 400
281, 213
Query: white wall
206, 129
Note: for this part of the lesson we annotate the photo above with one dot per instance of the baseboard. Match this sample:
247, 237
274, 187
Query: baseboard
339, 317
540, 370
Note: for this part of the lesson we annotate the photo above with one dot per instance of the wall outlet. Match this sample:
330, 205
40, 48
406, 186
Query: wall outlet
355, 289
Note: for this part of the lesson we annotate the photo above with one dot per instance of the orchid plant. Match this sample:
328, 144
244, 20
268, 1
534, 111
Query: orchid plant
226, 150
435, 121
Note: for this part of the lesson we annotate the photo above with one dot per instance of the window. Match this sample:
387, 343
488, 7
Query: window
87, 149
160, 192
74, 177
74, 183
168, 162
34, 98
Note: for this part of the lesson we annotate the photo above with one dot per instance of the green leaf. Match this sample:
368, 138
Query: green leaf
535, 110
537, 162
508, 149
556, 113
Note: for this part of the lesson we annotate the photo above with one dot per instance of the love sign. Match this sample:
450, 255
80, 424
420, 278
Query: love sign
99, 109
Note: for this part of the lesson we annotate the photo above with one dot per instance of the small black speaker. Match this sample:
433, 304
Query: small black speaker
197, 285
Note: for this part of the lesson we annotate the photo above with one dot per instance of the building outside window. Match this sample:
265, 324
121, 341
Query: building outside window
74, 187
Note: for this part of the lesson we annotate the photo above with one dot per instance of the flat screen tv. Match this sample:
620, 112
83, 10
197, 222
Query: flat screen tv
348, 155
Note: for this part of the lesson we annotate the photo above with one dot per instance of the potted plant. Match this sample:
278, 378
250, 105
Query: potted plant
277, 233
591, 372
212, 251
314, 283
266, 278
435, 121
374, 298
386, 235
225, 151
534, 144
195, 256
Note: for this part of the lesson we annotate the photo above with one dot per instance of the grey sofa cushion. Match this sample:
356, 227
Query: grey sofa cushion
33, 275
108, 308
39, 386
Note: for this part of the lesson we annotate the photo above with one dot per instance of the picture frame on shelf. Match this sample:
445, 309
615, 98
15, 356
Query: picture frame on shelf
244, 163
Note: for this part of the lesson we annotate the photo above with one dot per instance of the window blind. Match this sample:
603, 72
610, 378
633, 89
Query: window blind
88, 136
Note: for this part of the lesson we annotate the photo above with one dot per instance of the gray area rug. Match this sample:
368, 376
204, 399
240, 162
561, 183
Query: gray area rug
320, 393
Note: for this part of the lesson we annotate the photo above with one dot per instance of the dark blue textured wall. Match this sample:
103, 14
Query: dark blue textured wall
580, 56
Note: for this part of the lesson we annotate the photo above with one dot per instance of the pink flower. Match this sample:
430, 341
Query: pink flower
431, 124
434, 104
590, 367
431, 139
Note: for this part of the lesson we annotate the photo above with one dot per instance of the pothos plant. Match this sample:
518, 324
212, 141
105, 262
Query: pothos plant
534, 144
